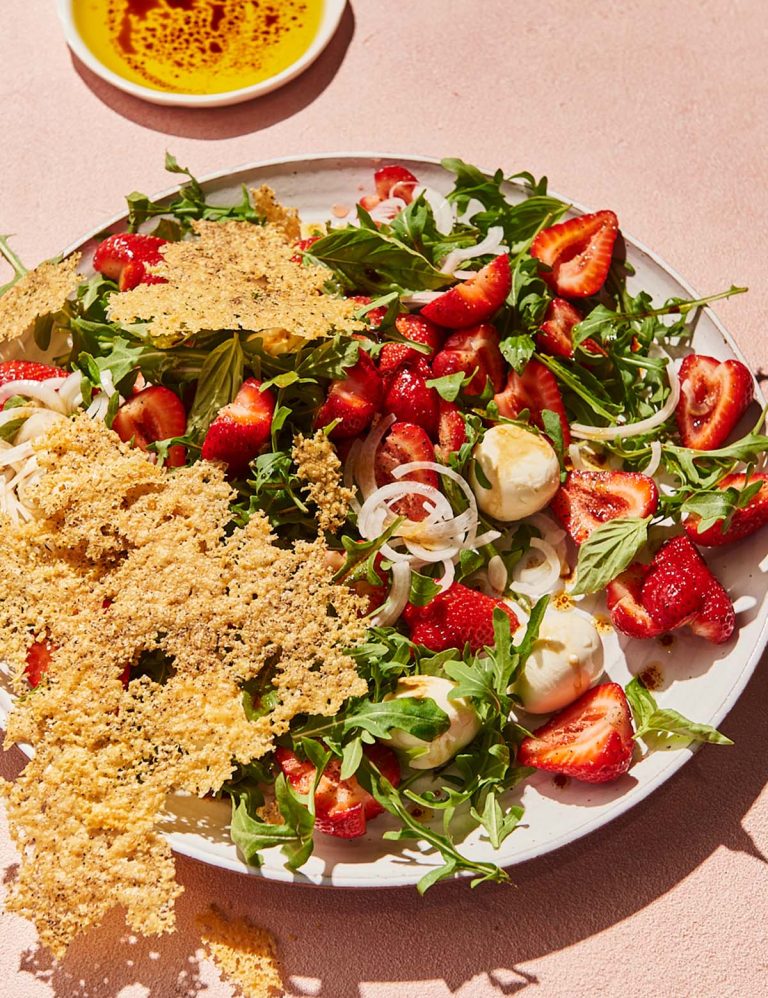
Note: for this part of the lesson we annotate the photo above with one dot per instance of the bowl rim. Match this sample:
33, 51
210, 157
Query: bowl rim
332, 11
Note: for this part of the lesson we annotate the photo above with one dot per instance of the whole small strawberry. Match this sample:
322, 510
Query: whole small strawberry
457, 617
409, 398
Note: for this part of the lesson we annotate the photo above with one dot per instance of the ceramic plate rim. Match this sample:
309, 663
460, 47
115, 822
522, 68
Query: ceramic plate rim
411, 873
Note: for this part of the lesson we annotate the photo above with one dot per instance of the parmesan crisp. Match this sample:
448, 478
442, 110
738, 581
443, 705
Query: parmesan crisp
246, 954
41, 292
236, 275
121, 559
319, 467
270, 209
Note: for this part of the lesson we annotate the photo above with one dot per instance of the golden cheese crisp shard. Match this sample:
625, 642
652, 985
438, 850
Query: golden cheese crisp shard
245, 953
236, 275
270, 209
319, 467
124, 560
37, 294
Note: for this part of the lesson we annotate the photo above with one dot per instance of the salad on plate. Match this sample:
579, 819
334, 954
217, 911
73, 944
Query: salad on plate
452, 410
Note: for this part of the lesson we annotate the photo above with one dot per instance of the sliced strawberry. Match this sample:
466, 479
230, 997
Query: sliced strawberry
376, 315
301, 246
415, 328
536, 390
474, 300
124, 258
409, 398
354, 399
474, 352
38, 661
404, 443
451, 431
28, 370
676, 590
744, 521
457, 617
395, 181
240, 429
555, 333
714, 395
628, 614
591, 498
591, 740
342, 807
155, 413
578, 253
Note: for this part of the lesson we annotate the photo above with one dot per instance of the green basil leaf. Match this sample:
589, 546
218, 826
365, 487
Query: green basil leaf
649, 717
449, 386
220, 379
423, 589
608, 551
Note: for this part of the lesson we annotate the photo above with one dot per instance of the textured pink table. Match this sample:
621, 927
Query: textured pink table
657, 110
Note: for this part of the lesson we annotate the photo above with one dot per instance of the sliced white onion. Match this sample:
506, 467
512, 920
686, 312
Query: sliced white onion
70, 391
43, 391
18, 412
38, 423
386, 210
655, 459
447, 579
488, 537
442, 212
98, 407
399, 592
441, 469
474, 207
585, 432
492, 243
365, 470
497, 573
11, 455
369, 523
433, 555
550, 531
421, 297
537, 580
350, 467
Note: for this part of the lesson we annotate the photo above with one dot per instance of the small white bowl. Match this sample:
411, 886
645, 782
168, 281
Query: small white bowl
332, 11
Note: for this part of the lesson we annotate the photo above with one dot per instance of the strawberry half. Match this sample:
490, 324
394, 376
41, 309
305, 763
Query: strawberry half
536, 390
474, 300
28, 370
591, 740
354, 399
409, 398
591, 498
578, 253
451, 431
38, 661
714, 395
473, 351
392, 181
155, 413
744, 521
124, 258
676, 590
457, 617
404, 443
342, 807
555, 333
415, 328
240, 429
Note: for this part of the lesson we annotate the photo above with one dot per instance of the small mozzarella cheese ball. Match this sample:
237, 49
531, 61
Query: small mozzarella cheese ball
521, 468
464, 722
567, 658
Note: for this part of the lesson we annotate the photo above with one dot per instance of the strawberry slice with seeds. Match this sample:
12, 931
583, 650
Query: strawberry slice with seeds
628, 614
301, 246
404, 443
535, 389
124, 258
590, 740
474, 352
240, 429
555, 333
153, 414
409, 398
375, 316
39, 656
457, 617
417, 329
342, 807
744, 521
28, 370
354, 399
451, 431
475, 300
714, 395
578, 253
591, 498
395, 181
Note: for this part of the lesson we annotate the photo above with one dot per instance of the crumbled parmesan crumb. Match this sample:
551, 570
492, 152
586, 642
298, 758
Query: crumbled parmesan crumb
267, 205
318, 466
124, 557
236, 275
246, 954
41, 292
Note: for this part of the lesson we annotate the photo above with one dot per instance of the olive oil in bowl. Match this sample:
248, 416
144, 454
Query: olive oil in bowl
197, 46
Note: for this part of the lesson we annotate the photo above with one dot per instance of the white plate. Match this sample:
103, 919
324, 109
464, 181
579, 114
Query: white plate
702, 680
329, 21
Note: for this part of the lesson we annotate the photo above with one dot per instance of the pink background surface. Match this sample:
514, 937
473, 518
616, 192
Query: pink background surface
657, 110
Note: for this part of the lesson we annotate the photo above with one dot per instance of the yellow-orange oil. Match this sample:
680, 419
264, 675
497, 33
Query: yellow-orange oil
197, 46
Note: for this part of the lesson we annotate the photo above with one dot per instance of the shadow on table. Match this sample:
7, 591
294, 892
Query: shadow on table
331, 942
237, 119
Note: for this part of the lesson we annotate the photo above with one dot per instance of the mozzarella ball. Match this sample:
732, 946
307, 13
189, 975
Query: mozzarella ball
521, 469
464, 722
567, 658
